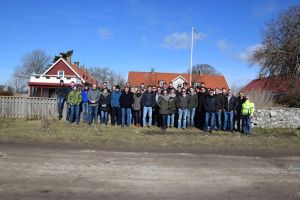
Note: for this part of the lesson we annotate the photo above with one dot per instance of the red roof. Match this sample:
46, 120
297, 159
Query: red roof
153, 78
275, 84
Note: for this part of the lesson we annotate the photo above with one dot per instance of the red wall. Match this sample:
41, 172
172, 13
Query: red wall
61, 66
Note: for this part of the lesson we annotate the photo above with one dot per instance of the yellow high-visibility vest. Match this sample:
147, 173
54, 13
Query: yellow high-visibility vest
248, 108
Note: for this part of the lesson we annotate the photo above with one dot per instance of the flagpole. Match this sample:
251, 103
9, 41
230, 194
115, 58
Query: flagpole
191, 67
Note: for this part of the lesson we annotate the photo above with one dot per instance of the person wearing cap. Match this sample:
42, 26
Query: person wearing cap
85, 103
247, 113
74, 100
62, 95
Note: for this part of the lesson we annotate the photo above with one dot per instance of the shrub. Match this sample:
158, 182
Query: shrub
262, 98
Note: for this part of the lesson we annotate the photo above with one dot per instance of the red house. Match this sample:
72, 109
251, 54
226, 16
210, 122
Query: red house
44, 85
158, 78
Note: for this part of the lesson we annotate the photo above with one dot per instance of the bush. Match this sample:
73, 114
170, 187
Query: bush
289, 100
262, 98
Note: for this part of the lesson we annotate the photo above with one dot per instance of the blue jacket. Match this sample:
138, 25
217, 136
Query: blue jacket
85, 97
115, 99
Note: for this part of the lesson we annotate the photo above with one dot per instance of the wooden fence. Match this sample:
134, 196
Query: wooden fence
28, 107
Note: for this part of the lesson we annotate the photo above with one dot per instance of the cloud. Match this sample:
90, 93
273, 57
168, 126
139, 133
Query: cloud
104, 33
181, 40
223, 45
244, 55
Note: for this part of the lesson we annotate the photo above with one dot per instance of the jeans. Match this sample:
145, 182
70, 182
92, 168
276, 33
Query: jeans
126, 112
226, 116
191, 117
145, 111
210, 117
238, 121
60, 103
115, 116
93, 114
104, 117
137, 117
182, 114
85, 109
74, 113
246, 119
170, 120
68, 112
219, 119
164, 118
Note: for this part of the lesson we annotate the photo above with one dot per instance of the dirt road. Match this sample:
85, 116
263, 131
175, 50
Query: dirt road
37, 172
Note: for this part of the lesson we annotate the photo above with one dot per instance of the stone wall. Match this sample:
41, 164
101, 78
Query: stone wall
276, 118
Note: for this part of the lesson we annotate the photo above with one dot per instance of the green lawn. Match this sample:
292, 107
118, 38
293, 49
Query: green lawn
144, 139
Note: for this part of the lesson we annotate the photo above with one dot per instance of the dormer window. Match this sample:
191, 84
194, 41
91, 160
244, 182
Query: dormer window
61, 74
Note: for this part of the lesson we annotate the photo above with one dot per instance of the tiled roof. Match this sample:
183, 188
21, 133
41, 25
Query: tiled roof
83, 74
153, 78
274, 84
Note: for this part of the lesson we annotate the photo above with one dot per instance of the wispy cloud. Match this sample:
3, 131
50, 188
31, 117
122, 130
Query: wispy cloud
264, 8
223, 45
104, 33
244, 56
181, 40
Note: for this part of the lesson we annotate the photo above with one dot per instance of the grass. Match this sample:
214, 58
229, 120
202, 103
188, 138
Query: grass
142, 139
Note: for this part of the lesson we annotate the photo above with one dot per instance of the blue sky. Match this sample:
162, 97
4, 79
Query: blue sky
136, 35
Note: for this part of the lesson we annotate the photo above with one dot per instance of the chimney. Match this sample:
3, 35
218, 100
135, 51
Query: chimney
68, 58
76, 63
261, 76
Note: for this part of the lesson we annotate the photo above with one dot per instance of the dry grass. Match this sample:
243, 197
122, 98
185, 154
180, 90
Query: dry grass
262, 98
140, 139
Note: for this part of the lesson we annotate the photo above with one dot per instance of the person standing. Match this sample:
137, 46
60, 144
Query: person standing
104, 103
68, 105
247, 113
94, 96
229, 109
74, 99
148, 102
182, 105
240, 100
62, 95
200, 108
115, 113
85, 103
193, 103
172, 109
220, 107
163, 104
137, 107
210, 106
126, 101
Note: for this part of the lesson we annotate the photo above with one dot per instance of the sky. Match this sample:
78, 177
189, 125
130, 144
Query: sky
137, 35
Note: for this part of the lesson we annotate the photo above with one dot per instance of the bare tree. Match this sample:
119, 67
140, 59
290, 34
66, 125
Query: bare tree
279, 54
204, 69
102, 74
35, 62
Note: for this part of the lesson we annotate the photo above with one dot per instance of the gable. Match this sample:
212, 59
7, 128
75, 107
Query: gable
179, 79
58, 67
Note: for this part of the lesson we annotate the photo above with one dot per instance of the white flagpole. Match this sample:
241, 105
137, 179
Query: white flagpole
191, 67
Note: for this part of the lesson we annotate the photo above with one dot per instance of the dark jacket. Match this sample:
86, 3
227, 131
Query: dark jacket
94, 95
104, 102
210, 104
201, 101
220, 101
193, 101
126, 100
172, 105
148, 99
182, 102
163, 105
62, 91
231, 105
239, 103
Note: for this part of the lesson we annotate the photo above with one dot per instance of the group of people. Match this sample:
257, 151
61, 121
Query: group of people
166, 107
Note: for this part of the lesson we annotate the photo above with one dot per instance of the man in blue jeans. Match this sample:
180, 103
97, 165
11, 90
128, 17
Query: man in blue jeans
126, 101
94, 96
230, 105
183, 105
62, 95
147, 103
210, 106
193, 103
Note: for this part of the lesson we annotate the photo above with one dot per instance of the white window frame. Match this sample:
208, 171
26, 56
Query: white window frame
63, 73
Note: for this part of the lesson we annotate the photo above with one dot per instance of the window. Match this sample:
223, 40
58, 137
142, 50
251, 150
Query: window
161, 82
61, 74
47, 77
196, 84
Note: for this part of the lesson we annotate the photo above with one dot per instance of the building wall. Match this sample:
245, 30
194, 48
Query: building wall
276, 118
61, 66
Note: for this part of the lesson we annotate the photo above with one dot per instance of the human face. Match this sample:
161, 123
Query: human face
183, 92
94, 86
211, 92
165, 93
